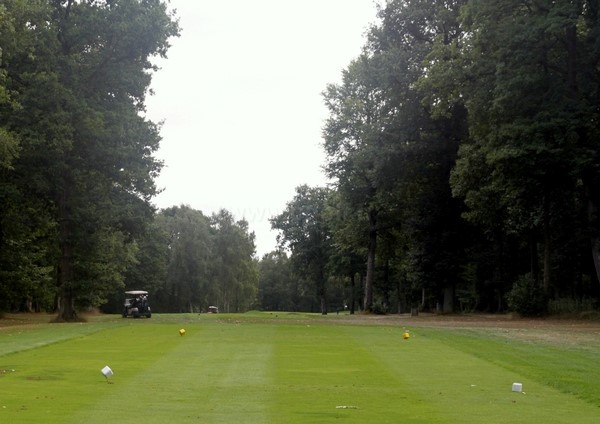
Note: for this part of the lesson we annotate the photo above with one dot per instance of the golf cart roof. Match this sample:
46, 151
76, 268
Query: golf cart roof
136, 292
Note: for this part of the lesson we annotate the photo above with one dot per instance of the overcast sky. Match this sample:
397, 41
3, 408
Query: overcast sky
240, 96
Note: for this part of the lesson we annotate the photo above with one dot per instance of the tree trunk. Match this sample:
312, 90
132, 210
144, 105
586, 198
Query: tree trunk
499, 270
533, 257
595, 238
448, 305
596, 255
547, 248
386, 284
323, 304
399, 295
368, 304
66, 301
571, 43
352, 293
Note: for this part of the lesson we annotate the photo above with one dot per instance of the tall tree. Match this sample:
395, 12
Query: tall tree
347, 260
381, 143
303, 229
277, 286
360, 155
26, 227
190, 251
233, 267
86, 147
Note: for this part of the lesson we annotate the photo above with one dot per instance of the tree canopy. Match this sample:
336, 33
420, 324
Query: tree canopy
461, 149
75, 75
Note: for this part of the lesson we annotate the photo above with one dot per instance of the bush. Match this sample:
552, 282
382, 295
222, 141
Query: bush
379, 308
527, 298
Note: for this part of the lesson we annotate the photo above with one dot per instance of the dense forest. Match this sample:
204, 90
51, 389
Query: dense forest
462, 146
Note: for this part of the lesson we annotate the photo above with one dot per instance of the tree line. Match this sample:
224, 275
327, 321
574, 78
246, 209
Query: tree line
461, 145
188, 261
464, 153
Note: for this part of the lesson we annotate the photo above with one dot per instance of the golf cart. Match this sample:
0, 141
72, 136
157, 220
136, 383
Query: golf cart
136, 304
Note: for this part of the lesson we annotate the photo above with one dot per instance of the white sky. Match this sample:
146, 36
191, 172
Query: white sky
240, 96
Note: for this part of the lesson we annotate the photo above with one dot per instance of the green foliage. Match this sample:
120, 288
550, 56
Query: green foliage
305, 231
389, 158
104, 273
73, 79
201, 261
9, 145
463, 135
148, 271
27, 278
527, 297
274, 283
233, 265
524, 74
462, 138
379, 308
278, 288
362, 154
189, 250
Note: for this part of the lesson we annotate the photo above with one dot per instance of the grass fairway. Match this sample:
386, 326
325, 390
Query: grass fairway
294, 368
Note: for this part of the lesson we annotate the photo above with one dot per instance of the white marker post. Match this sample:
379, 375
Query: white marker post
107, 372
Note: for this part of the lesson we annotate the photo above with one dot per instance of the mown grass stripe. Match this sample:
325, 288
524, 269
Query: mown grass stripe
326, 367
217, 374
571, 369
465, 388
21, 338
53, 382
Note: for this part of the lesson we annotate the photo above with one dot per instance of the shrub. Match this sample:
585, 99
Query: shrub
527, 298
379, 308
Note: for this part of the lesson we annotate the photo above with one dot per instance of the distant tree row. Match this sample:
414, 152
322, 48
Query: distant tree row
188, 262
464, 149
